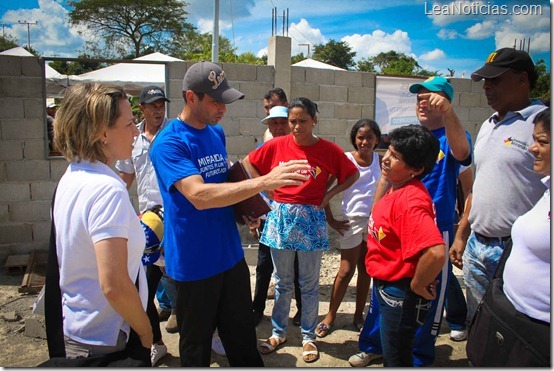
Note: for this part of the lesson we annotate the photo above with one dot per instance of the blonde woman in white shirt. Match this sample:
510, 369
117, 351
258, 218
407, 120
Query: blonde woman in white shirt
356, 204
98, 234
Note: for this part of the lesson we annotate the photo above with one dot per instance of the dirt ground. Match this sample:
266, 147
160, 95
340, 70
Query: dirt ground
19, 350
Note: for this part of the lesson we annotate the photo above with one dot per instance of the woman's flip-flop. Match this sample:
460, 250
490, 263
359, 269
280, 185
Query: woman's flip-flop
323, 329
267, 347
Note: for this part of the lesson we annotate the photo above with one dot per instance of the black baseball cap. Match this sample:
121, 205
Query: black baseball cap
152, 93
502, 60
209, 78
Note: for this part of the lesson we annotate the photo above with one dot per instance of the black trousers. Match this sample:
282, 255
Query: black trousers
224, 302
264, 270
153, 277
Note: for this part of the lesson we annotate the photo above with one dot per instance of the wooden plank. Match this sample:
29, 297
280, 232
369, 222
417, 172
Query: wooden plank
35, 274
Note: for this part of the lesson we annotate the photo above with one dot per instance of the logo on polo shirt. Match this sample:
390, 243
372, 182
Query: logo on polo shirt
440, 156
511, 141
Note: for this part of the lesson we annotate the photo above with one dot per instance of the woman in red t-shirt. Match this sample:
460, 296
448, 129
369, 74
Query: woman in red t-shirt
297, 224
405, 250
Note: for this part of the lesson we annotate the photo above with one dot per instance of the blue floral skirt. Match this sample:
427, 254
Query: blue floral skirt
295, 227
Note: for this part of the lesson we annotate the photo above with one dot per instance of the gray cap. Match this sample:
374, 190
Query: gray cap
209, 78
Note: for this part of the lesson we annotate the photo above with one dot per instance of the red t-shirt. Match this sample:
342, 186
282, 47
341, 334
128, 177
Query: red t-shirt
324, 157
401, 225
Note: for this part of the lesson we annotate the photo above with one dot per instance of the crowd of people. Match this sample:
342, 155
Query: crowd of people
397, 227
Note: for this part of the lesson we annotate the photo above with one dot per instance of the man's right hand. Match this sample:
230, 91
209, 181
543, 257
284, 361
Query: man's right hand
456, 253
287, 174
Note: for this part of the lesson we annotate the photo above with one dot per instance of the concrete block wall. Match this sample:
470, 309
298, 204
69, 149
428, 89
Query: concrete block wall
28, 177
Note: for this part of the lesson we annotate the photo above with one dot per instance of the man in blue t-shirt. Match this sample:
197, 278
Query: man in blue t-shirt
203, 250
434, 111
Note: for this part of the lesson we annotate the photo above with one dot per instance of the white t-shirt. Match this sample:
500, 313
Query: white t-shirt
527, 271
357, 199
92, 204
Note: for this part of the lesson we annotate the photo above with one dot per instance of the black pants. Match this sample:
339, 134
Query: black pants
264, 270
153, 277
222, 301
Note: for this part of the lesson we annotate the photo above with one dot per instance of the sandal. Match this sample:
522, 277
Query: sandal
309, 356
323, 329
268, 347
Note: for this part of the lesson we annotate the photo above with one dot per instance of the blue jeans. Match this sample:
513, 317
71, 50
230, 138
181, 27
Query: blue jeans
480, 261
167, 293
309, 263
402, 312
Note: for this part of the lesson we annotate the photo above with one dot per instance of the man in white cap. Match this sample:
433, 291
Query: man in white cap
202, 245
505, 184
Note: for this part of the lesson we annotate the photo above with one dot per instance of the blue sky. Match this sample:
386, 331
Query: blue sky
439, 34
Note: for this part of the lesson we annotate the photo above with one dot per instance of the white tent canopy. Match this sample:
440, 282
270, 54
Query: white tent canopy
132, 76
312, 63
55, 81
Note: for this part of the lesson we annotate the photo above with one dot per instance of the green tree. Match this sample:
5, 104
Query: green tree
249, 58
365, 65
194, 47
394, 63
542, 87
131, 26
338, 54
77, 67
297, 58
7, 42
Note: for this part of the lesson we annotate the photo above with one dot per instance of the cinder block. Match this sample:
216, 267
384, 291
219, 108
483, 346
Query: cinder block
12, 108
483, 102
479, 114
243, 109
231, 126
265, 74
461, 85
331, 93
239, 72
27, 170
348, 78
21, 86
15, 233
368, 80
348, 111
2, 171
332, 127
368, 111
176, 97
23, 129
298, 75
344, 143
470, 100
10, 65
177, 70
254, 90
326, 110
240, 145
58, 167
305, 90
361, 95
11, 150
41, 230
4, 213
32, 67
33, 211
251, 127
15, 192
322, 77
34, 149
462, 113
42, 190
477, 87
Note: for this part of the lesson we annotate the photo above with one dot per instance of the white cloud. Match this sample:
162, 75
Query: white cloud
369, 45
51, 35
432, 55
303, 33
451, 12
207, 25
446, 34
483, 30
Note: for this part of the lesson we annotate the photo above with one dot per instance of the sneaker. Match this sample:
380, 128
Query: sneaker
271, 291
164, 314
217, 345
363, 359
157, 352
171, 325
458, 335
